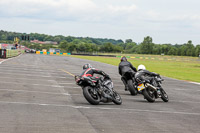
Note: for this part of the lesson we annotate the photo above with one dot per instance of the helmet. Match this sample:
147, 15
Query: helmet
123, 58
86, 66
141, 67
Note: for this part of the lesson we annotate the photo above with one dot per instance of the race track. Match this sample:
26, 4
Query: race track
38, 95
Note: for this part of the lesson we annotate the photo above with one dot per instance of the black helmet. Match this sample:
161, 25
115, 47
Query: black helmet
86, 66
123, 58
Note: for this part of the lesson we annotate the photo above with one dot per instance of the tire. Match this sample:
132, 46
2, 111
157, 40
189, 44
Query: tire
150, 97
131, 88
164, 95
116, 98
90, 97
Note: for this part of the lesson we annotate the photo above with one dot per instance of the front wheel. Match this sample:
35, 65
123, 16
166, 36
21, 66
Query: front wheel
164, 95
131, 87
89, 95
116, 98
149, 95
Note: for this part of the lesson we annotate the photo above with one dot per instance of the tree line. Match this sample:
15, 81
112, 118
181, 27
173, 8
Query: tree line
91, 45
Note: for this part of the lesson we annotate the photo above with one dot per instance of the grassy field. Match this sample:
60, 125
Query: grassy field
183, 68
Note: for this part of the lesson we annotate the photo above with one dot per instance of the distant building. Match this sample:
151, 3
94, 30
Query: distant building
43, 42
52, 50
50, 42
6, 46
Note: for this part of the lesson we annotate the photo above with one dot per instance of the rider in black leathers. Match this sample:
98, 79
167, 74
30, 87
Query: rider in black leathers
88, 73
125, 66
143, 74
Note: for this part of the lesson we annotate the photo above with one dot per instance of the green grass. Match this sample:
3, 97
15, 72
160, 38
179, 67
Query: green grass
184, 70
13, 53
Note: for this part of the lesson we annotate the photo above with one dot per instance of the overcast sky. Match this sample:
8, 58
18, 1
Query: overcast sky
166, 21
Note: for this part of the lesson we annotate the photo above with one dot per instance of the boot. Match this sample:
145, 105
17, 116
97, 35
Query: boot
159, 93
106, 95
126, 88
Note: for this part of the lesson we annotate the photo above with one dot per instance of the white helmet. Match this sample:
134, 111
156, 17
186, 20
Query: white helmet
141, 67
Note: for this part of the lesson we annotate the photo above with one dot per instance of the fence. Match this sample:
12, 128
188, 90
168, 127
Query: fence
51, 53
13, 53
135, 57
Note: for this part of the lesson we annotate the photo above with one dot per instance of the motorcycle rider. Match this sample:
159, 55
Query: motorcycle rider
88, 73
144, 74
125, 66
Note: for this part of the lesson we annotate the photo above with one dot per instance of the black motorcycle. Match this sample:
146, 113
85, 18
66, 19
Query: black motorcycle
128, 77
152, 91
98, 90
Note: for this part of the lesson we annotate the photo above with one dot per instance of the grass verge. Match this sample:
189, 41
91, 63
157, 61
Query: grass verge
188, 70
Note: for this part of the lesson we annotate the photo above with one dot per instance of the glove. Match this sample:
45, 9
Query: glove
107, 76
155, 74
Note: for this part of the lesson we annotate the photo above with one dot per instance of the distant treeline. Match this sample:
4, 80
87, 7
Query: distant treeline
90, 45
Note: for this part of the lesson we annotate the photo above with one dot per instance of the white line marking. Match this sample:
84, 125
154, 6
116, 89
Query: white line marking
195, 83
182, 80
26, 79
32, 72
65, 83
10, 58
184, 101
10, 67
32, 84
51, 93
2, 61
103, 108
47, 76
76, 87
68, 87
56, 86
139, 98
186, 90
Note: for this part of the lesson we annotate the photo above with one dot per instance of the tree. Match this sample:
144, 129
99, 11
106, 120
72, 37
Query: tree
129, 47
71, 47
63, 44
3, 37
57, 39
128, 41
190, 51
107, 47
156, 49
146, 47
81, 47
197, 50
172, 51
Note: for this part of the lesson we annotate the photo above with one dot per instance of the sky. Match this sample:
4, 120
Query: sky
166, 21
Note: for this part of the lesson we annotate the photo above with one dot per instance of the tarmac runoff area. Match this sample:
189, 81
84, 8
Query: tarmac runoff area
38, 94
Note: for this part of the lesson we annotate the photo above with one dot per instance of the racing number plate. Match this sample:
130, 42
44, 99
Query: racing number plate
140, 87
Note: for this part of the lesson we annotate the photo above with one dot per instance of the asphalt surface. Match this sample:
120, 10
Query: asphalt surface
38, 95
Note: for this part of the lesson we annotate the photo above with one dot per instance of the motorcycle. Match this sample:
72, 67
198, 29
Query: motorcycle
128, 77
152, 91
98, 90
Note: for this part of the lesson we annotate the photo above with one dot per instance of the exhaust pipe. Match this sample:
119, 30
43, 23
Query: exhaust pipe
151, 86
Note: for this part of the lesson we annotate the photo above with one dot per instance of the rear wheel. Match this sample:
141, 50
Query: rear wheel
131, 88
149, 94
116, 98
164, 95
90, 96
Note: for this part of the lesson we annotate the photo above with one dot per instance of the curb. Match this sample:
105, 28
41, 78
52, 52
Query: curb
2, 61
9, 58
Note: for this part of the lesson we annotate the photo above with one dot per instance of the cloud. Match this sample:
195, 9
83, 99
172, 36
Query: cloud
45, 8
153, 14
86, 10
122, 9
112, 18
